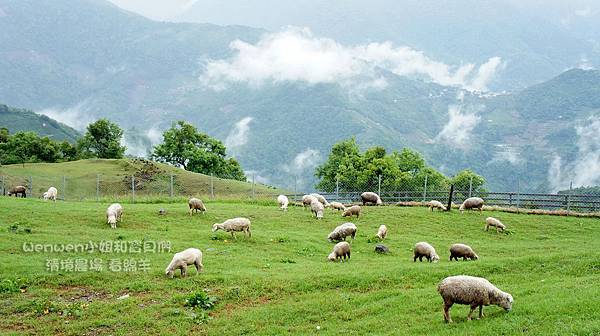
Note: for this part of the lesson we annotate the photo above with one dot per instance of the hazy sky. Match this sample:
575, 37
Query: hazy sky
155, 9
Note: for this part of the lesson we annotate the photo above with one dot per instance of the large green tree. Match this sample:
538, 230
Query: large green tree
28, 147
102, 140
184, 146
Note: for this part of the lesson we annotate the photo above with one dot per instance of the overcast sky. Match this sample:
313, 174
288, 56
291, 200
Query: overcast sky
155, 9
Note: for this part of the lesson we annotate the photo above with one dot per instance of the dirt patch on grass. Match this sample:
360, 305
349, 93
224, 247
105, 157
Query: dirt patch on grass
229, 308
80, 293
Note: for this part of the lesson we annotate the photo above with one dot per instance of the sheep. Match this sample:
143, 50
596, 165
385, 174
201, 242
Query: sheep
233, 225
370, 197
472, 203
424, 249
382, 232
473, 291
436, 204
195, 205
317, 208
113, 214
342, 231
351, 211
307, 199
283, 202
18, 190
341, 250
491, 221
52, 193
184, 258
337, 206
321, 199
162, 212
462, 251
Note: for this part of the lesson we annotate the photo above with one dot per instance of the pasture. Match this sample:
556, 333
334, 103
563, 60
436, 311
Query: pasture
279, 281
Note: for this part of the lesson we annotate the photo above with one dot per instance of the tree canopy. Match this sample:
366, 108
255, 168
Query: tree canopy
102, 140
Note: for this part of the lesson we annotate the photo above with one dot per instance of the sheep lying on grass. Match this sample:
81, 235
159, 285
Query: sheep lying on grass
462, 251
473, 291
424, 249
471, 203
18, 190
321, 199
437, 205
195, 205
352, 211
113, 214
337, 206
382, 232
370, 197
184, 258
51, 194
283, 202
239, 224
340, 251
342, 231
317, 208
493, 222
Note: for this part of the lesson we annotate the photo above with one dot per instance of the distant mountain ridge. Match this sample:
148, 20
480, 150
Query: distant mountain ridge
24, 120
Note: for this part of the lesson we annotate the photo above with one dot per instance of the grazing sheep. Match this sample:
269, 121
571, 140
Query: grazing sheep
351, 211
423, 249
380, 248
52, 193
370, 197
184, 258
337, 206
195, 205
491, 221
113, 214
436, 204
473, 291
342, 231
232, 225
162, 212
382, 232
321, 199
472, 203
462, 251
317, 208
340, 251
307, 199
283, 202
18, 190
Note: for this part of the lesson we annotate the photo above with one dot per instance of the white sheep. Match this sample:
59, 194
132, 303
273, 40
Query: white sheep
317, 208
342, 231
184, 258
370, 197
437, 205
424, 249
321, 199
195, 205
283, 202
472, 203
472, 291
337, 206
352, 211
491, 221
113, 214
341, 250
239, 224
52, 193
382, 232
462, 251
307, 199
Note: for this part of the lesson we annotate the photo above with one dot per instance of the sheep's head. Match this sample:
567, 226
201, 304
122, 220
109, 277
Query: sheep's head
111, 219
506, 302
475, 256
462, 207
379, 201
169, 272
319, 214
435, 258
331, 256
215, 227
45, 195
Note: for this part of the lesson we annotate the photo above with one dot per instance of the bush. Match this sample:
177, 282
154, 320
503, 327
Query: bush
200, 300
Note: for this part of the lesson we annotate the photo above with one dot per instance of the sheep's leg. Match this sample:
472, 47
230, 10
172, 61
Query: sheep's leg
471, 312
421, 258
447, 317
232, 235
480, 311
198, 266
183, 271
415, 258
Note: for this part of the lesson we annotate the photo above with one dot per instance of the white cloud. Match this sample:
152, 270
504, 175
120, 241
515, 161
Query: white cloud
584, 12
509, 155
139, 145
584, 64
459, 127
238, 136
77, 116
253, 174
296, 55
585, 170
303, 161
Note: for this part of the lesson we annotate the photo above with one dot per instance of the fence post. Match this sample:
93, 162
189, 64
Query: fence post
450, 197
133, 188
569, 198
253, 192
337, 188
212, 186
30, 186
470, 186
425, 190
64, 188
3, 188
379, 185
171, 187
97, 187
518, 194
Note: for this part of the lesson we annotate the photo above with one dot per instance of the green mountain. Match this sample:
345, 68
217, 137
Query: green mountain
23, 120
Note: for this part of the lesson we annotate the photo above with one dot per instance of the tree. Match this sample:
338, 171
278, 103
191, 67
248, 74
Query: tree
102, 140
185, 147
25, 147
468, 178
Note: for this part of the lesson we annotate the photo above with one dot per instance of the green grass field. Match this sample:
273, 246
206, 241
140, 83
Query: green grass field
279, 282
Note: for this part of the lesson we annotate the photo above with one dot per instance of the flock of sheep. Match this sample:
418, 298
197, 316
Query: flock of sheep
462, 289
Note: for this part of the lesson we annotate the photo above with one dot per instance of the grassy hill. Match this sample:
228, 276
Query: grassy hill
279, 282
24, 120
113, 177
